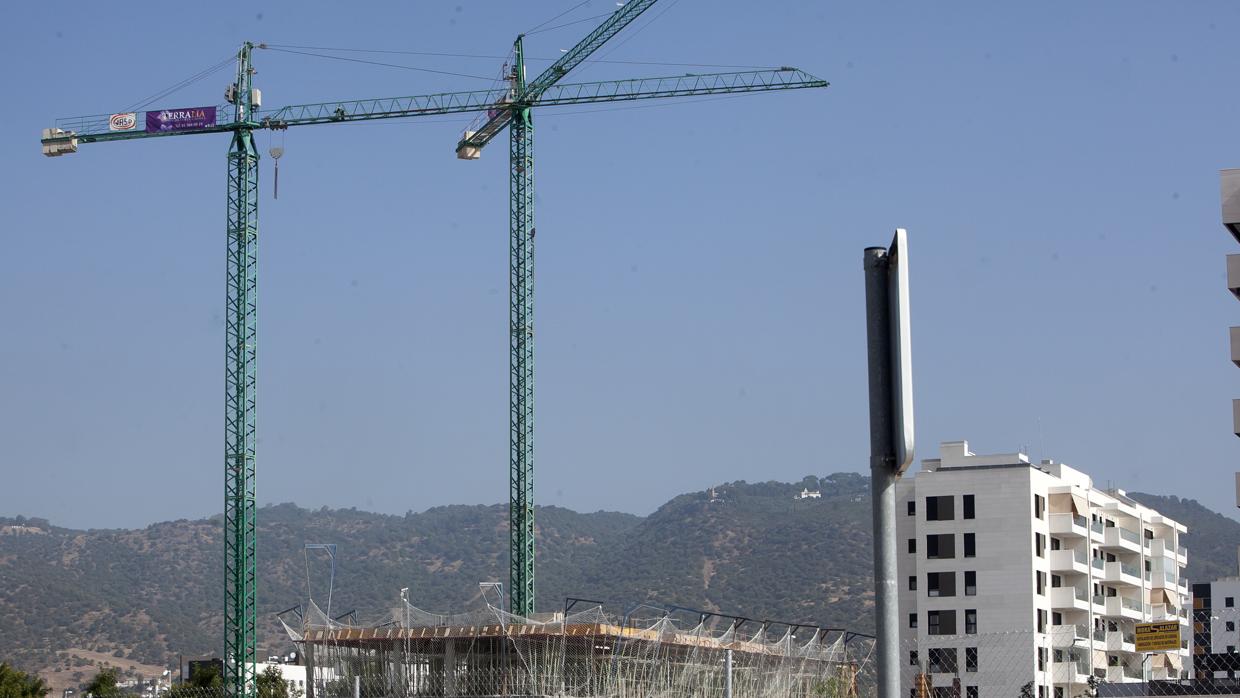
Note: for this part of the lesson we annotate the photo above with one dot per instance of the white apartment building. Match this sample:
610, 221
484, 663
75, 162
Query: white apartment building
1216, 629
1014, 573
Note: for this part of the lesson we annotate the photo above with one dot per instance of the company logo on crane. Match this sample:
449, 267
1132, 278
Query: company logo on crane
127, 121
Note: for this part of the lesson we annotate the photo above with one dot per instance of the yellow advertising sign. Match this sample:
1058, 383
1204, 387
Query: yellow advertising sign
1158, 637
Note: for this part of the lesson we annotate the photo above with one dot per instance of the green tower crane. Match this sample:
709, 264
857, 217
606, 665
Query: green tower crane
509, 106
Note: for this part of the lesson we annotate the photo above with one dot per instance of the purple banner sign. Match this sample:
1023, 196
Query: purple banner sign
180, 119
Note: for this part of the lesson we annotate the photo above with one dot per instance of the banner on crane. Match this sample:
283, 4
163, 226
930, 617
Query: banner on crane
180, 119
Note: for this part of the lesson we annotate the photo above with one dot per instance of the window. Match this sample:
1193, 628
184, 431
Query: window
941, 622
970, 692
1041, 691
1231, 649
1039, 505
1041, 620
1039, 545
1059, 692
943, 660
970, 545
912, 620
1056, 544
1039, 583
1231, 626
941, 546
967, 501
912, 546
970, 621
970, 659
970, 583
941, 584
912, 583
1229, 601
912, 658
1056, 618
1056, 581
1041, 659
939, 508
912, 507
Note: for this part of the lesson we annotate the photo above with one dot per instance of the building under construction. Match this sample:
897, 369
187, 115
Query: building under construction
647, 652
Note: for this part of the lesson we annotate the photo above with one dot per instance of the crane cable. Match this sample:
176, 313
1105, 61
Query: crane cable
183, 83
379, 63
528, 58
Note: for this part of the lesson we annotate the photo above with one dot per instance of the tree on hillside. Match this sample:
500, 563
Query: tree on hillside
104, 684
19, 684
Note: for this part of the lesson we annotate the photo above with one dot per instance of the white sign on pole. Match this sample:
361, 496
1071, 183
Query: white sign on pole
901, 353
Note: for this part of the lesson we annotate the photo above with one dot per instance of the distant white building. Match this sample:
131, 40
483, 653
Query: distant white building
1011, 570
806, 493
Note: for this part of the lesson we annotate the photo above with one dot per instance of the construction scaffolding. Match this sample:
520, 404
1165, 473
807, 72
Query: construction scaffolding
648, 652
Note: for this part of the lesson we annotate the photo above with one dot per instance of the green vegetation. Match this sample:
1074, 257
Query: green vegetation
271, 684
104, 684
19, 684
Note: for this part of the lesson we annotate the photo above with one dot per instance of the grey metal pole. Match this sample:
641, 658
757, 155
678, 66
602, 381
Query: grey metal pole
882, 470
728, 682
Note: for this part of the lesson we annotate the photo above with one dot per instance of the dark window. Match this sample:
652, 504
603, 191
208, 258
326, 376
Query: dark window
970, 692
912, 507
1229, 601
941, 622
1056, 581
941, 546
970, 545
912, 658
967, 501
1231, 649
1042, 690
1039, 545
970, 583
970, 621
1041, 620
912, 583
1056, 619
1039, 583
940, 508
1041, 659
943, 660
1059, 692
912, 545
1039, 505
970, 659
1231, 625
1056, 544
941, 584
912, 620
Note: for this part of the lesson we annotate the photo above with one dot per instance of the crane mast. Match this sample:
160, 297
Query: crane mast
511, 107
521, 346
240, 364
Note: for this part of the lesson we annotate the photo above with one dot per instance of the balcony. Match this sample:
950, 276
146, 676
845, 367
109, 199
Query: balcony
1121, 641
1067, 635
1118, 572
1120, 538
1070, 672
1161, 547
1069, 598
1125, 673
1068, 525
1124, 607
1069, 561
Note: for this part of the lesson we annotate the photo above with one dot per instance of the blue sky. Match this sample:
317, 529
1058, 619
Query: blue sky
699, 294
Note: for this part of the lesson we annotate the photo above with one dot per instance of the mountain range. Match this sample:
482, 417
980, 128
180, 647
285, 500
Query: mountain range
71, 599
